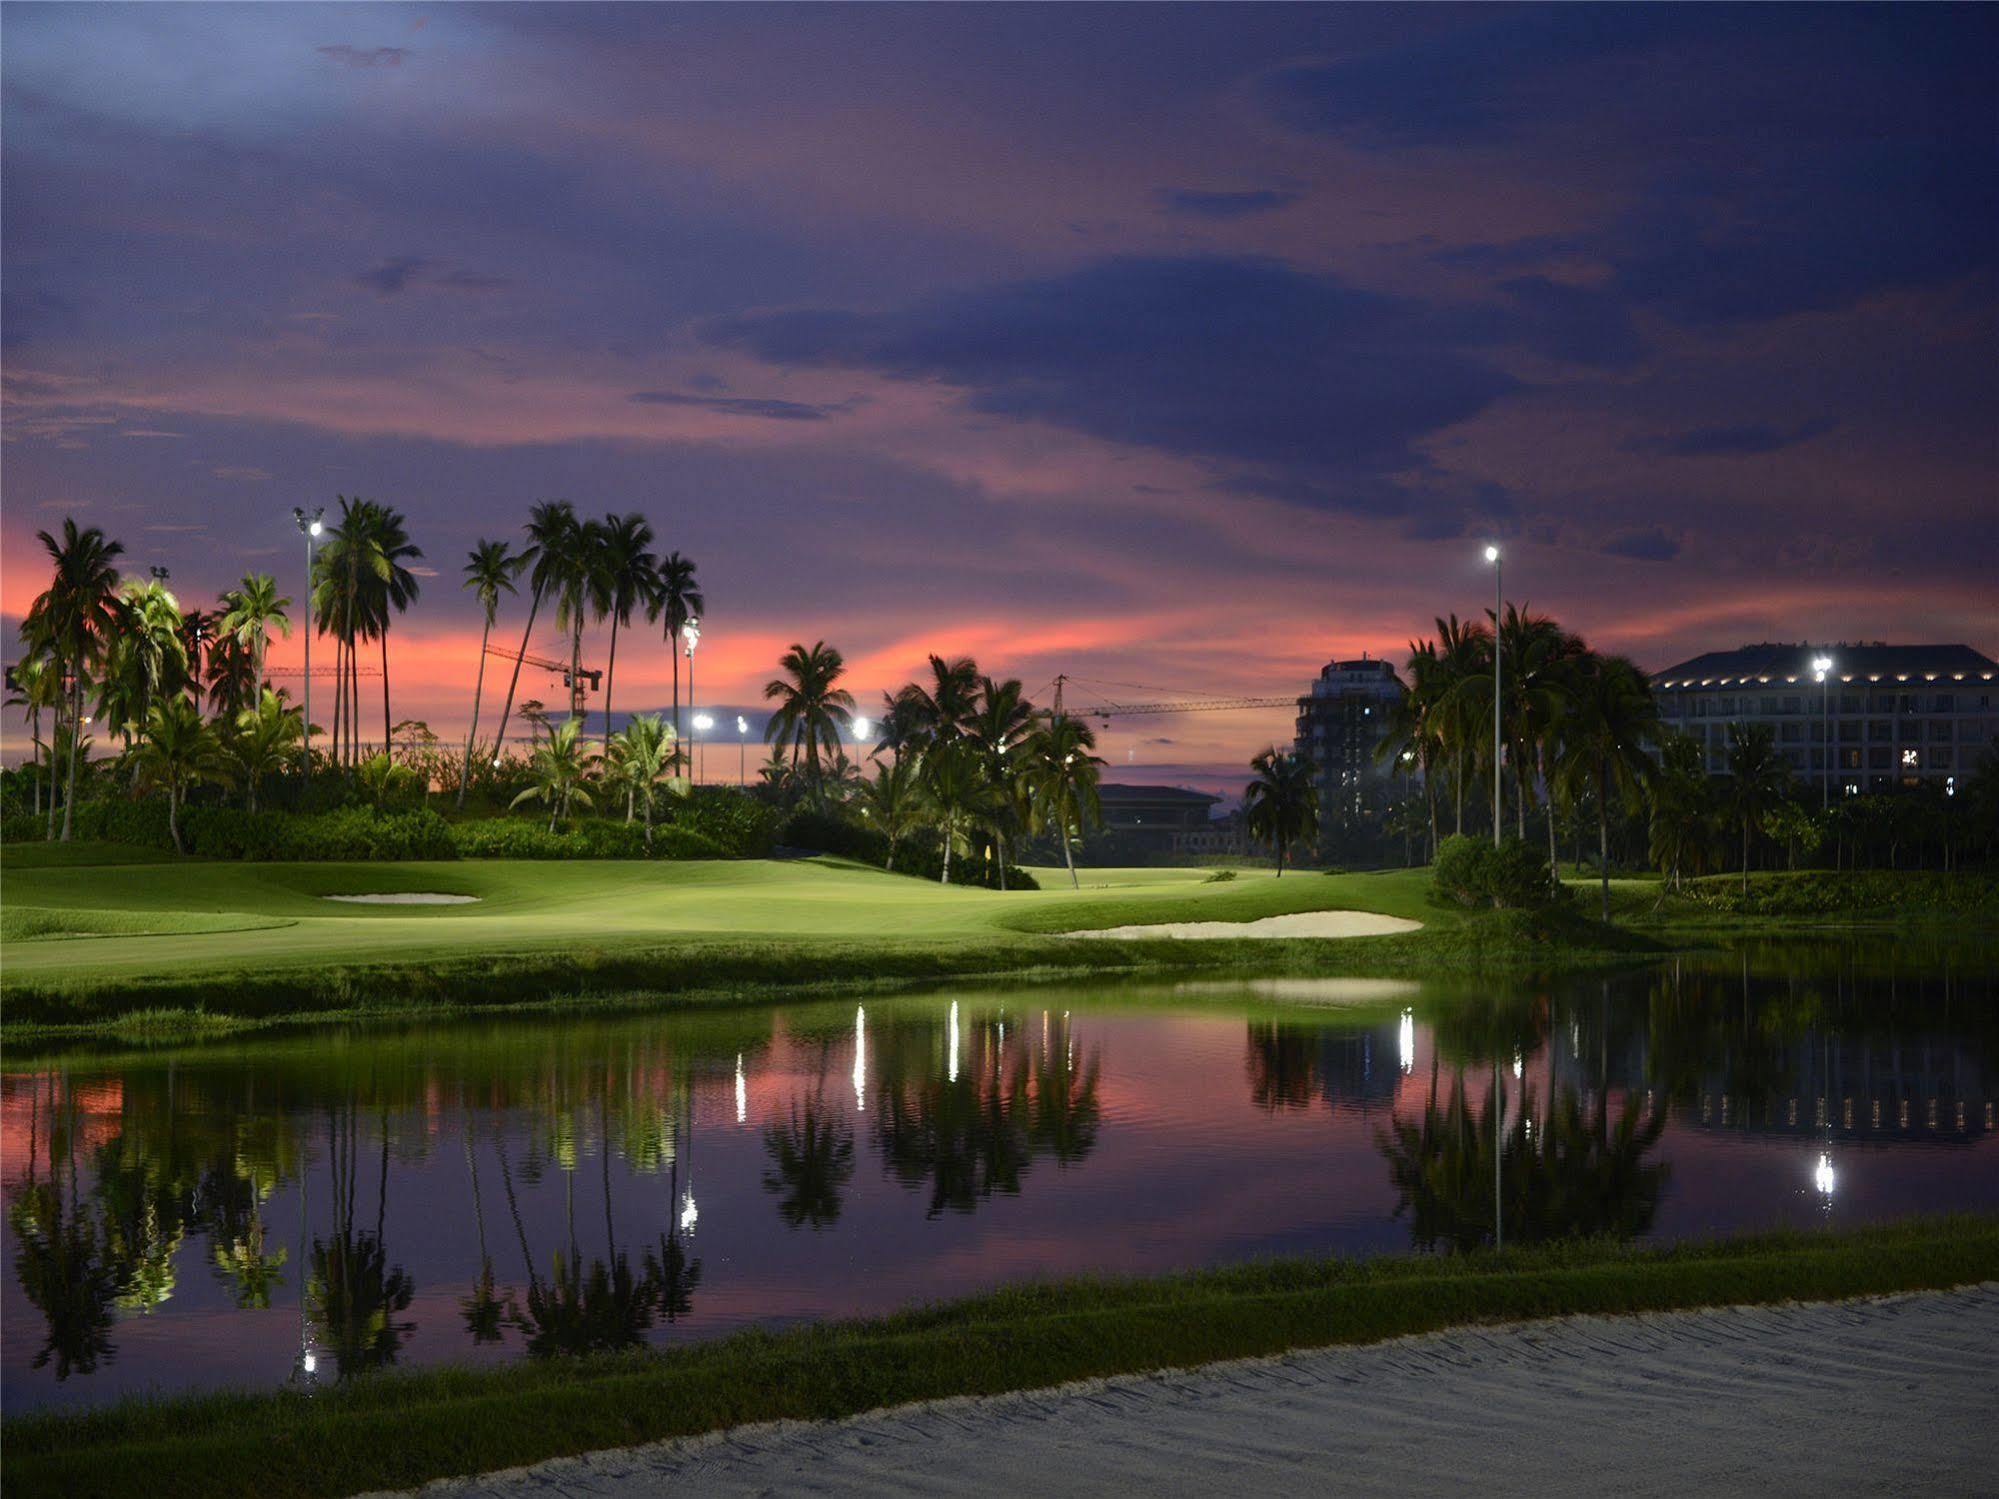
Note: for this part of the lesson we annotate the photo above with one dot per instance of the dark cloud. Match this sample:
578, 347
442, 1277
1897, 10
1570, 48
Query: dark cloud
770, 410
1242, 360
400, 272
1574, 324
1192, 203
1739, 441
366, 57
1643, 544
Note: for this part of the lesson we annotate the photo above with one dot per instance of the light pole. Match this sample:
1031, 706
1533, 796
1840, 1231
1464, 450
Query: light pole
742, 752
690, 637
702, 724
309, 525
1822, 671
1498, 606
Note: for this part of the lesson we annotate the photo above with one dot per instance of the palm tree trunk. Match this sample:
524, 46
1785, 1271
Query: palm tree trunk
610, 681
500, 744
1745, 856
1069, 855
673, 650
1603, 829
387, 731
945, 877
75, 734
173, 814
478, 691
1459, 788
1554, 855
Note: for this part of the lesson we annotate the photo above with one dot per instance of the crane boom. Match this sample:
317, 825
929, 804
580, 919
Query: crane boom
575, 684
1202, 705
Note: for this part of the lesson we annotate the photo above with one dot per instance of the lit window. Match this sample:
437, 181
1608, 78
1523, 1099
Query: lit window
1909, 757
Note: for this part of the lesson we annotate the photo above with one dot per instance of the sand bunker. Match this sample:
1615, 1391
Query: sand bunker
1304, 924
406, 898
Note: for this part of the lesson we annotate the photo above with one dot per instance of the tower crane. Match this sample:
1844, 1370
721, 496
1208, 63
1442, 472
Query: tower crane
575, 682
1113, 709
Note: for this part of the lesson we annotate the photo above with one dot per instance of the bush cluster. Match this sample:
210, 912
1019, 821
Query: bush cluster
1825, 893
529, 838
351, 833
1512, 875
921, 854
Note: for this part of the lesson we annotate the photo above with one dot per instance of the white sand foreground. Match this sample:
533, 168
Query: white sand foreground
1888, 1395
1304, 924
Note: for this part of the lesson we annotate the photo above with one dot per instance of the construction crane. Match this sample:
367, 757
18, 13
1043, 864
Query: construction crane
575, 683
321, 672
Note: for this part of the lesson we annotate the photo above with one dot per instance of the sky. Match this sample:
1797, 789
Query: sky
1177, 349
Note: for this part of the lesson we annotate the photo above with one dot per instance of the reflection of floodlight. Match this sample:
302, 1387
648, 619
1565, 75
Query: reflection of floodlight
1822, 1176
688, 1213
1405, 1041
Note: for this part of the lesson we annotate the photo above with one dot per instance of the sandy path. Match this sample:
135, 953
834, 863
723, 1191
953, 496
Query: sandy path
1890, 1395
1304, 924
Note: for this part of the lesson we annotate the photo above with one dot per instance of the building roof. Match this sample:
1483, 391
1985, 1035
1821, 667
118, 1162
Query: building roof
1781, 662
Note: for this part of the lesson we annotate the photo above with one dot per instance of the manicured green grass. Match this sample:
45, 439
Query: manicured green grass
398, 1430
92, 944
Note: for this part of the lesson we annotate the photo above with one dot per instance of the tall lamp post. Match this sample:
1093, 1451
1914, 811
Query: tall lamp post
309, 525
1822, 672
1498, 607
702, 724
690, 637
742, 752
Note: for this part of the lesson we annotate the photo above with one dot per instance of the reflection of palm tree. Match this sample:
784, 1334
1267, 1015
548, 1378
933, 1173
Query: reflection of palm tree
676, 1275
812, 1158
254, 1273
485, 1311
1066, 1113
588, 1311
1572, 1175
65, 1272
355, 1293
967, 1138
1279, 1060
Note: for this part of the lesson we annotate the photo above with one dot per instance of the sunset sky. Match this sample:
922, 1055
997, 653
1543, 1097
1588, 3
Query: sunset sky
1182, 347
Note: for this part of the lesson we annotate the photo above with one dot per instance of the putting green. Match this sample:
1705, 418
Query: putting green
188, 917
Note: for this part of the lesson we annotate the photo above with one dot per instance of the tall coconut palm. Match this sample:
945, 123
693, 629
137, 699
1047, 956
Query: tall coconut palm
559, 772
250, 611
676, 599
232, 677
940, 711
892, 803
198, 631
630, 579
1608, 723
1413, 733
550, 529
78, 613
1464, 701
146, 659
1000, 726
34, 684
345, 569
1757, 779
1682, 823
177, 751
957, 795
812, 708
265, 741
391, 590
582, 593
1066, 774
490, 569
1281, 802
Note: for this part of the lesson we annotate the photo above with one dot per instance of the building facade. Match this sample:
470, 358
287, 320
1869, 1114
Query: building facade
1888, 716
1141, 821
1341, 724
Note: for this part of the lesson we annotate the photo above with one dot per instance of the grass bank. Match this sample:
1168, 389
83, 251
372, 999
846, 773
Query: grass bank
398, 1430
176, 947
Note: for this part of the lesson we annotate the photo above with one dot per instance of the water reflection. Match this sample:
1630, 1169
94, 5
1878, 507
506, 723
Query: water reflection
528, 1189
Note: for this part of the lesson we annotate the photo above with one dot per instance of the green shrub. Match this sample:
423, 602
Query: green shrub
1219, 877
920, 855
740, 825
529, 838
1512, 875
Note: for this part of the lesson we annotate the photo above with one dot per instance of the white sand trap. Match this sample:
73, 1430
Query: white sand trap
406, 898
1304, 924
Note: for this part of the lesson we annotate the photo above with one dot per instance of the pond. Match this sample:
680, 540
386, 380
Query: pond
309, 1208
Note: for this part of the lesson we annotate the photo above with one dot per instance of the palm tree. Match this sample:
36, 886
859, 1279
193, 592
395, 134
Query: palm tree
939, 713
490, 569
346, 557
77, 614
1281, 803
1413, 732
1065, 778
232, 677
550, 525
1757, 778
812, 708
1608, 722
146, 660
676, 599
640, 758
382, 777
1464, 700
631, 579
250, 611
177, 751
198, 631
265, 740
1682, 823
583, 591
892, 803
35, 685
560, 771
1001, 724
957, 795
390, 590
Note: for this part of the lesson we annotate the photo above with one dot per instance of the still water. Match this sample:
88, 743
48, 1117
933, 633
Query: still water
311, 1208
